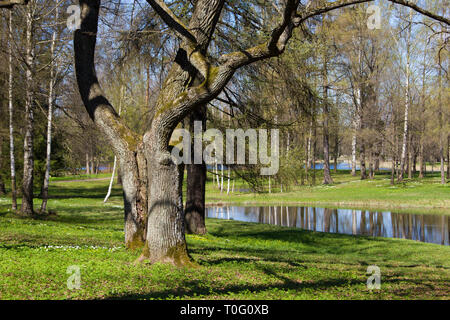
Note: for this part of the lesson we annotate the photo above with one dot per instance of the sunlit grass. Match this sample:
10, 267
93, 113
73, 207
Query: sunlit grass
236, 260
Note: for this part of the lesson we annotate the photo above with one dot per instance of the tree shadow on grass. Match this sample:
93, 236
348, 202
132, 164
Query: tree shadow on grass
309, 240
194, 288
88, 192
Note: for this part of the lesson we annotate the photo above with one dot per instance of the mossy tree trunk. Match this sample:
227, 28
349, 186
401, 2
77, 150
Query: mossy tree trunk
127, 146
196, 183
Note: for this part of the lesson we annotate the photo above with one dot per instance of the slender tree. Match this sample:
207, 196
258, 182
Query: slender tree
11, 117
28, 157
51, 87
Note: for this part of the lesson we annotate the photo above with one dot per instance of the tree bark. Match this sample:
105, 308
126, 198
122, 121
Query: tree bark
126, 145
196, 182
336, 152
49, 118
2, 182
354, 150
326, 136
407, 102
88, 166
448, 157
362, 156
28, 158
11, 123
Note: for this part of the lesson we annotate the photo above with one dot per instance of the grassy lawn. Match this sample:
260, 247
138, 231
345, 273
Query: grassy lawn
81, 177
236, 260
412, 196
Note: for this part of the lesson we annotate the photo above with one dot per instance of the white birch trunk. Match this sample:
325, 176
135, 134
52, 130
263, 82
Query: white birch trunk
49, 118
28, 159
405, 128
11, 110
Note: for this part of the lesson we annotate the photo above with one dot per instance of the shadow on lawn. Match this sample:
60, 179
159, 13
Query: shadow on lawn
291, 235
88, 192
193, 288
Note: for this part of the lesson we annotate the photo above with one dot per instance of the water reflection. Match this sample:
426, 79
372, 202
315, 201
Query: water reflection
425, 228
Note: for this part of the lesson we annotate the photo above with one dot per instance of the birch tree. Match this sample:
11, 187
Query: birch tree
11, 117
28, 158
51, 87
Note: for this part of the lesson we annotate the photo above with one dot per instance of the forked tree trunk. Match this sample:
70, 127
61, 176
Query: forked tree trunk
28, 159
196, 182
166, 221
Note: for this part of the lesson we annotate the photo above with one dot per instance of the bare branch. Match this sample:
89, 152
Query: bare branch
121, 138
329, 6
172, 20
292, 19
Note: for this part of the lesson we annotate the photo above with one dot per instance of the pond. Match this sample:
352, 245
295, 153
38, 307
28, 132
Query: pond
421, 227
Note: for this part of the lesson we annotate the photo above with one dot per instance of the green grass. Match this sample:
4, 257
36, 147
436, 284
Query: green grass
412, 196
236, 260
81, 177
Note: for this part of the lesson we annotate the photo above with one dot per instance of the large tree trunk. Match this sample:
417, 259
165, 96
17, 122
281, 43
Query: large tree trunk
28, 159
196, 182
11, 124
165, 241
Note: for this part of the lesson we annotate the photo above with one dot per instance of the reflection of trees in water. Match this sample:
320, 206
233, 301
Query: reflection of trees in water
326, 219
426, 228
443, 230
